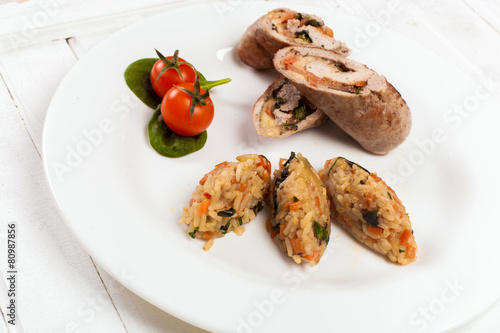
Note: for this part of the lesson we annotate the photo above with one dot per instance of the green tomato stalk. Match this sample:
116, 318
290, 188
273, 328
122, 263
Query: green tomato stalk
205, 84
171, 64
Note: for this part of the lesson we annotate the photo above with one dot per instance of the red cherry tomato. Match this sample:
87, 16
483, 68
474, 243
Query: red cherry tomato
170, 76
175, 110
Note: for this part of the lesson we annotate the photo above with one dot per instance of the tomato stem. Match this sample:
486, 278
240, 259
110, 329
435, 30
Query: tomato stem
205, 84
197, 98
171, 64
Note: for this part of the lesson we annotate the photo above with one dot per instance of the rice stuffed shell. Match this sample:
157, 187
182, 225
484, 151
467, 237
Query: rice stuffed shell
228, 197
300, 223
369, 209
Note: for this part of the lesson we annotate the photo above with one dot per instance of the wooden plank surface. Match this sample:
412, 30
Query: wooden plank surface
57, 279
32, 77
35, 21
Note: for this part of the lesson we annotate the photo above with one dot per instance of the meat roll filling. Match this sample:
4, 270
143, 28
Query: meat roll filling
282, 110
284, 27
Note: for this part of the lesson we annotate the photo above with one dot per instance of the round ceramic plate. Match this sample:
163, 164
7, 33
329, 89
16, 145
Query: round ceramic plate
123, 201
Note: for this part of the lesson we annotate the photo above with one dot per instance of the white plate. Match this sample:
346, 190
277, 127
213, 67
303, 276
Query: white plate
123, 201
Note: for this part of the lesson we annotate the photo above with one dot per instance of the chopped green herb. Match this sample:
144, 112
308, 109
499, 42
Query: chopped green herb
258, 207
401, 251
352, 164
320, 231
227, 213
389, 194
295, 199
299, 16
371, 218
358, 90
290, 126
279, 101
334, 164
300, 113
225, 227
313, 22
240, 220
304, 35
193, 233
341, 66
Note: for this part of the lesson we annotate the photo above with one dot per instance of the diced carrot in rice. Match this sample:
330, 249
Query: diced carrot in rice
311, 257
405, 236
208, 235
297, 246
274, 232
295, 205
222, 164
266, 175
411, 251
243, 186
375, 230
204, 179
203, 208
282, 228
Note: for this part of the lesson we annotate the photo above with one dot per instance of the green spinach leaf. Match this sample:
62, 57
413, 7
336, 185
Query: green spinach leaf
167, 143
137, 79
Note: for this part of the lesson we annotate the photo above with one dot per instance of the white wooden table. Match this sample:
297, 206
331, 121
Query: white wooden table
60, 288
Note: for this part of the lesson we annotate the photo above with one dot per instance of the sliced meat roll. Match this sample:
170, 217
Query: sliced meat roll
282, 110
284, 27
251, 52
356, 98
369, 209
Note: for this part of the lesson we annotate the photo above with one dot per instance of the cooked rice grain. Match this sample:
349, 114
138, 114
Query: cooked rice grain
369, 209
228, 197
301, 212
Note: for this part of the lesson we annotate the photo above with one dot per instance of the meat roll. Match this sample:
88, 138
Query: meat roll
282, 110
357, 99
251, 52
300, 223
284, 27
370, 210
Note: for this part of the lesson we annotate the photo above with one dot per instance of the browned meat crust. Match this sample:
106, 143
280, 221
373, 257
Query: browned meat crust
357, 99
